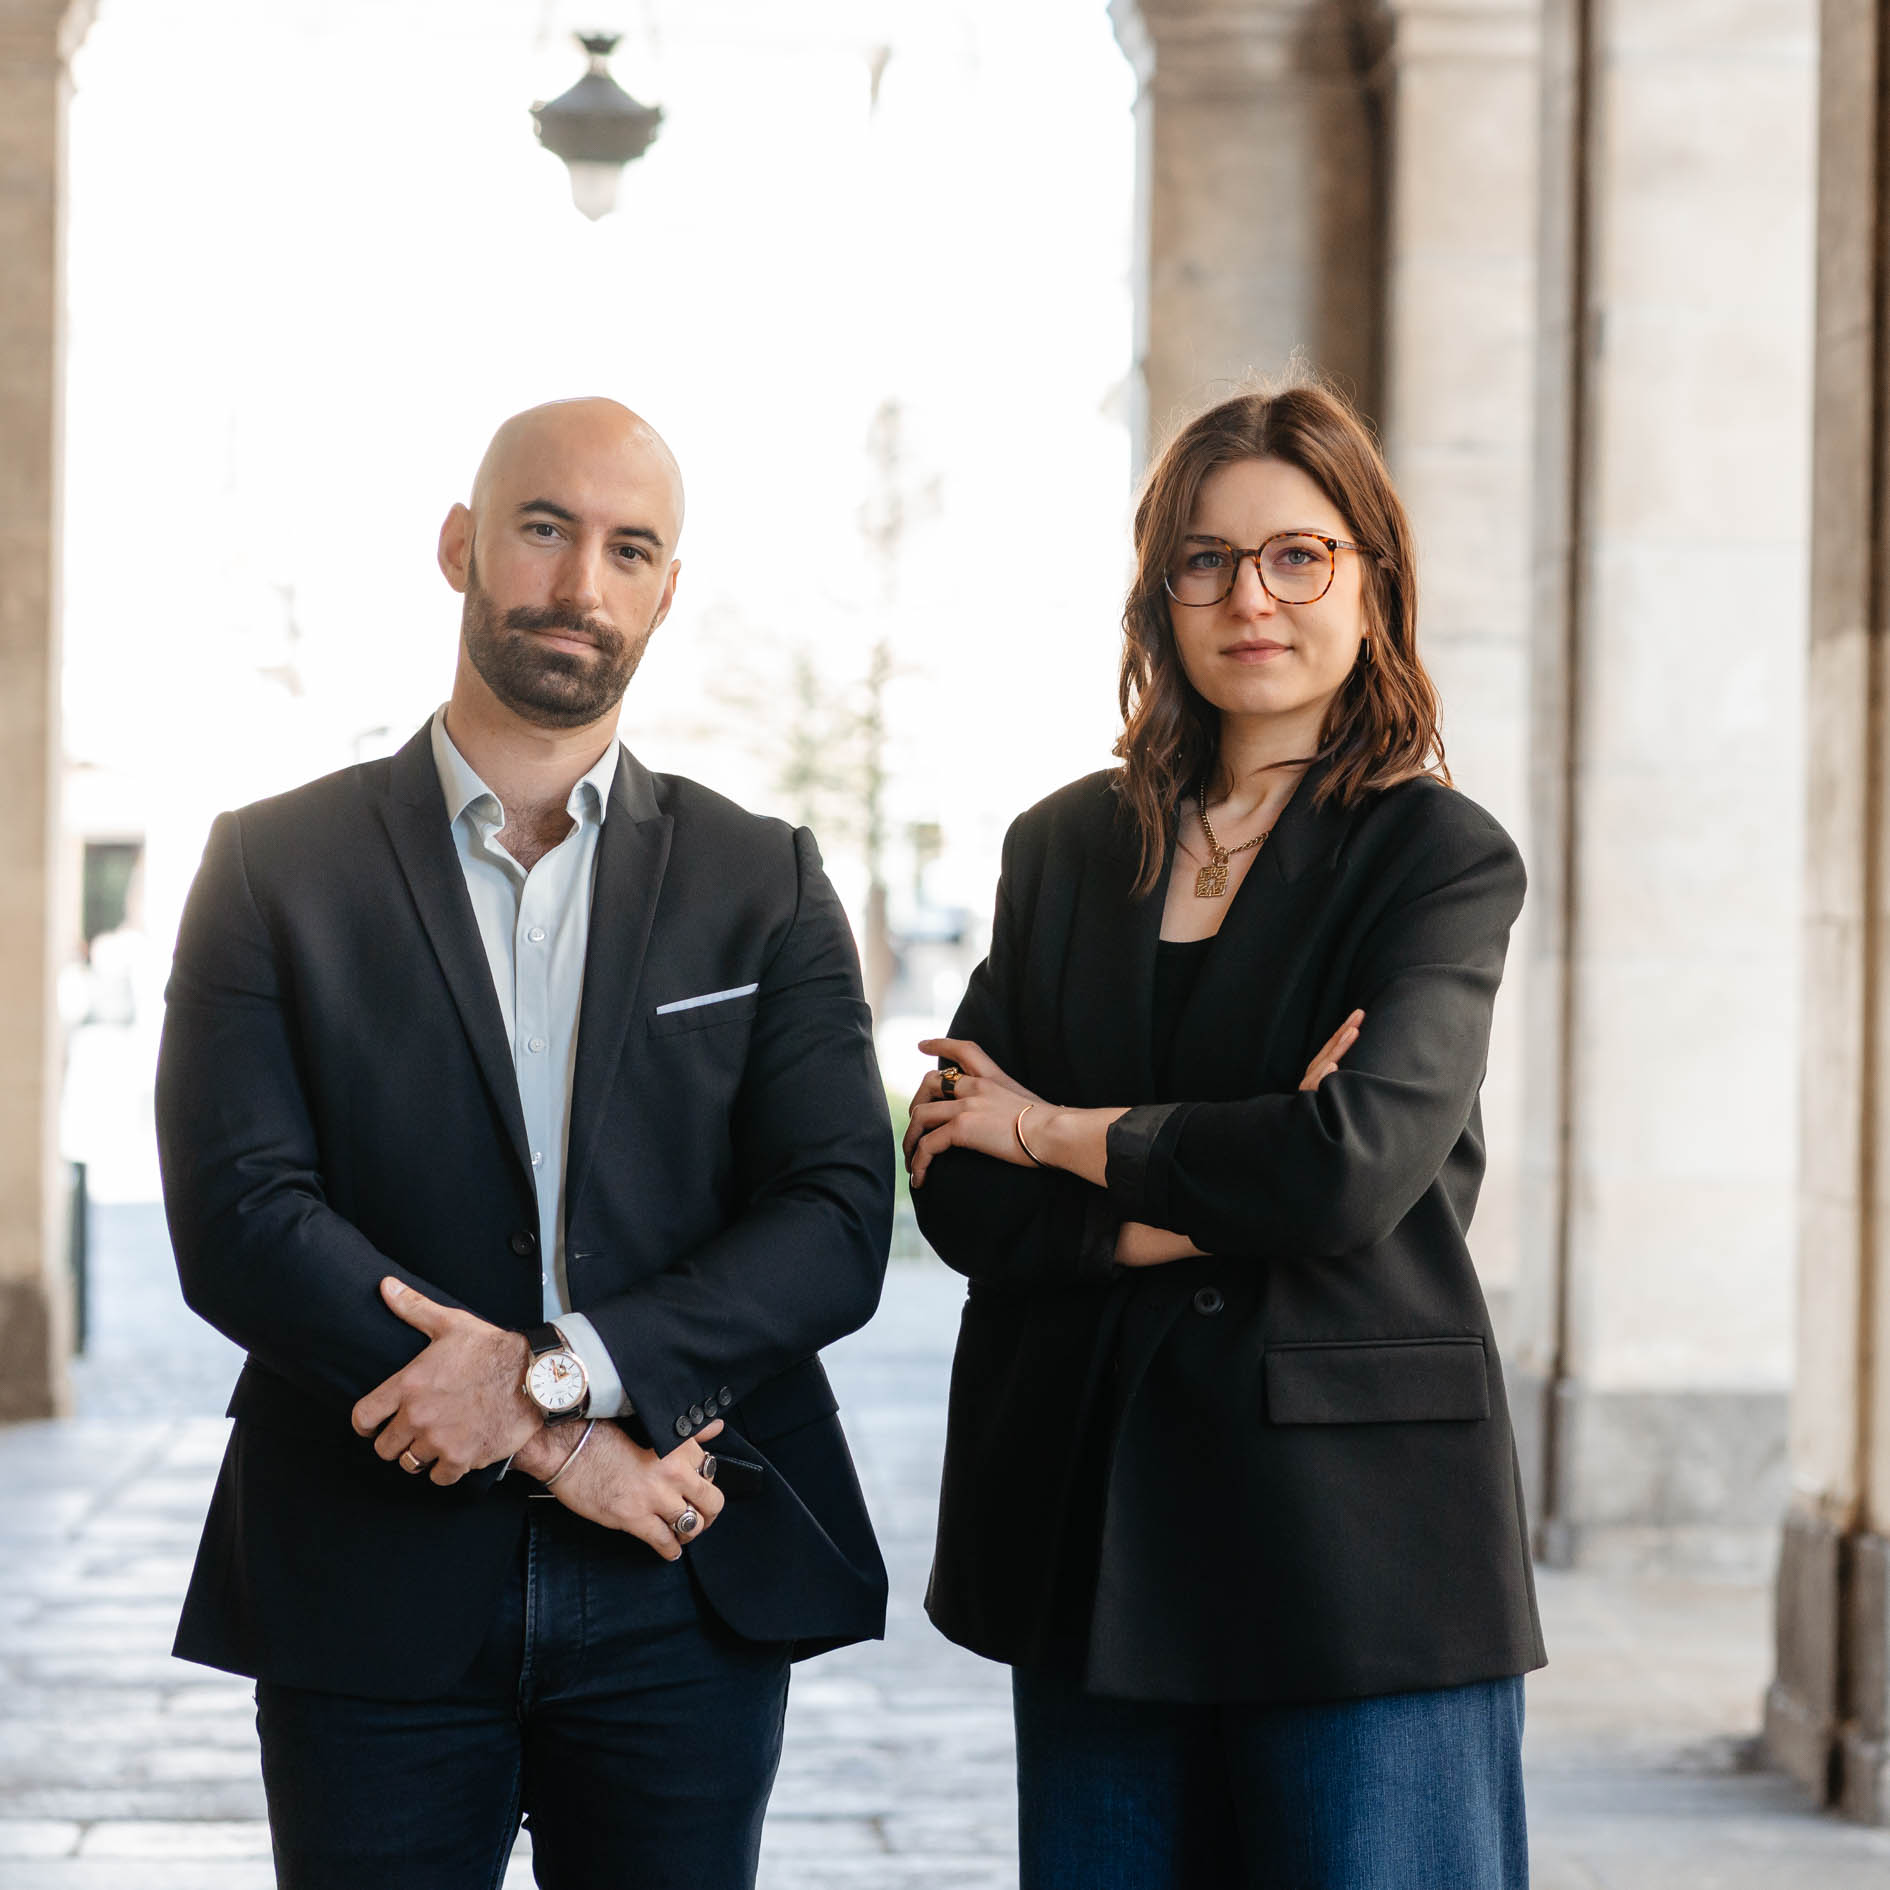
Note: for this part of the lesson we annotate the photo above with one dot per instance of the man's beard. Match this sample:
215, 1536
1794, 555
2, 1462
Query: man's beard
549, 688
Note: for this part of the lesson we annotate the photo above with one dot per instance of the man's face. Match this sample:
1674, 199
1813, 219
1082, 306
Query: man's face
552, 664
567, 565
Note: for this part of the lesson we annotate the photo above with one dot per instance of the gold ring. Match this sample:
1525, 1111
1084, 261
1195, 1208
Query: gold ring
948, 1081
410, 1463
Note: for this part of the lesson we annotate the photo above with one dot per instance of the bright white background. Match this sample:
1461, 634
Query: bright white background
316, 255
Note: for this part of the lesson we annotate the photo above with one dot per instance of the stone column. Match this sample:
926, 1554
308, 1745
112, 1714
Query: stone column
1258, 201
37, 38
1460, 364
1828, 1712
1663, 938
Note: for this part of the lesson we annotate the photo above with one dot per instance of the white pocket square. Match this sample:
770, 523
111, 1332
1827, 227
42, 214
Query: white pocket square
708, 997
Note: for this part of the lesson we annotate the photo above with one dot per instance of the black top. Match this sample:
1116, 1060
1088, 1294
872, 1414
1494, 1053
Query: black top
1178, 963
1307, 1486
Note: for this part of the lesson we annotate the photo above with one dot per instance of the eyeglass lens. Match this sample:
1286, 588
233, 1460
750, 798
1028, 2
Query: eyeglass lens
1295, 567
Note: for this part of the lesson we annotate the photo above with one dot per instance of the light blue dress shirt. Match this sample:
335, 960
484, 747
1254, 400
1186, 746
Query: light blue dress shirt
534, 926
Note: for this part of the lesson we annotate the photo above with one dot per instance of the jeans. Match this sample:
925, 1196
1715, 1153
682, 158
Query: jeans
636, 1735
1402, 1791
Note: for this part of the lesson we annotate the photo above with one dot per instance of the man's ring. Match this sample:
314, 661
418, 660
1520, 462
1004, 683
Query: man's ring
948, 1081
410, 1463
706, 1469
686, 1524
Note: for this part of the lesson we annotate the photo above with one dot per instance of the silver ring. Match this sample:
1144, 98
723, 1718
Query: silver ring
687, 1524
706, 1469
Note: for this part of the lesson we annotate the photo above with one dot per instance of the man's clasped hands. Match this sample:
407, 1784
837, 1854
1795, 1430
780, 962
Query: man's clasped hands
461, 1405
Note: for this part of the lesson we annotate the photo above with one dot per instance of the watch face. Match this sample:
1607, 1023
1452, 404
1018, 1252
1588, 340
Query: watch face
555, 1382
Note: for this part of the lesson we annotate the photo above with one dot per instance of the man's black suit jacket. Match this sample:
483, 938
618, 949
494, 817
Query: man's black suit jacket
1284, 1472
336, 1102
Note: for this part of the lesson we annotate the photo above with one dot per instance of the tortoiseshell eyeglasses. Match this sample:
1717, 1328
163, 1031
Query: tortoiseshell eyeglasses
1293, 568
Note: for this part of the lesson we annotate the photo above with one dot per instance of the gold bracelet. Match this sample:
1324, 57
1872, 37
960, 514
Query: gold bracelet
1018, 1131
570, 1460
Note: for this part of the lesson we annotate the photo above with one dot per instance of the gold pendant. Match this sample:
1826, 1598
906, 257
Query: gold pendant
1211, 881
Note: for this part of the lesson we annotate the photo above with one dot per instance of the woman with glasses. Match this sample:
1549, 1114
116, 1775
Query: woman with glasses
1229, 1479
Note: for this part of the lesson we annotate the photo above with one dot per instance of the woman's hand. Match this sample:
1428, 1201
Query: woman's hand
980, 1114
1326, 1058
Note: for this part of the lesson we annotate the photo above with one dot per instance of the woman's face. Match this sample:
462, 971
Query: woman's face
1251, 655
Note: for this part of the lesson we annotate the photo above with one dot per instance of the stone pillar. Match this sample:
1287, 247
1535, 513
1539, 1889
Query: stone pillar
1258, 205
1663, 946
1828, 1712
1460, 365
37, 38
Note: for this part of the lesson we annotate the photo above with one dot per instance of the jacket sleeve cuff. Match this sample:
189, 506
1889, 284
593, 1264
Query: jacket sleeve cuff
1139, 1161
600, 1370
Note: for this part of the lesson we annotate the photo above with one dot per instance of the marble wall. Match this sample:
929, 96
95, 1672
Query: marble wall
1673, 494
1828, 1712
1259, 207
36, 39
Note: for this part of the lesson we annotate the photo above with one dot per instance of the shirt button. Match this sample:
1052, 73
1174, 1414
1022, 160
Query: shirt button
535, 1045
536, 935
538, 1158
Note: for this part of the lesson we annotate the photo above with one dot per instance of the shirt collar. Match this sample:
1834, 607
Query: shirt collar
463, 789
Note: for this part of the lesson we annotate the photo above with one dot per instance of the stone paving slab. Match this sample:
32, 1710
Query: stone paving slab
121, 1767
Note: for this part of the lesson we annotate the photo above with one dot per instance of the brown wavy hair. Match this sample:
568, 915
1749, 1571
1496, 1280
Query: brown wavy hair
1382, 727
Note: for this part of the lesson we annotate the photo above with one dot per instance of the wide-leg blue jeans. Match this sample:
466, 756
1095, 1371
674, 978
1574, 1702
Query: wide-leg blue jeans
1403, 1791
636, 1735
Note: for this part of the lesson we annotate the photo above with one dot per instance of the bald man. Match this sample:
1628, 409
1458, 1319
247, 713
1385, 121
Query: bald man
519, 1117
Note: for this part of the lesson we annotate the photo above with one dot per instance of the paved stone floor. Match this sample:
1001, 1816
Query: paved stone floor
121, 1767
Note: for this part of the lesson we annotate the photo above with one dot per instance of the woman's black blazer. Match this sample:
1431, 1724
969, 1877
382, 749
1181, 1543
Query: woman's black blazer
1285, 1472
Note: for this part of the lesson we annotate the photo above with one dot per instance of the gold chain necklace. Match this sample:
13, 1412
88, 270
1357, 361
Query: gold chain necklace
1211, 881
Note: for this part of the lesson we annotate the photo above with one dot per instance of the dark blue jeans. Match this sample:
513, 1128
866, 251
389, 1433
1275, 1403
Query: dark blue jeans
1403, 1791
636, 1735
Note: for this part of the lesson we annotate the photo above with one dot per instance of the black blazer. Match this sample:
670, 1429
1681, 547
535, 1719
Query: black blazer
336, 1101
1285, 1472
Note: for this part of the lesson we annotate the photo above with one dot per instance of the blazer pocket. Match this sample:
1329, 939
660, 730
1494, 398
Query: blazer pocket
690, 1016
1384, 1381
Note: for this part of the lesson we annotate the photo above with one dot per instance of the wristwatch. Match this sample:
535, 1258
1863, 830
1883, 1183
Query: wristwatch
555, 1380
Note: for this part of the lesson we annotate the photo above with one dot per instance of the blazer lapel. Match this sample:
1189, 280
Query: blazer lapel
632, 853
415, 816
1109, 979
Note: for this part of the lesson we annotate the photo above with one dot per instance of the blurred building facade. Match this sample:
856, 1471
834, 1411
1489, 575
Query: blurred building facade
1579, 260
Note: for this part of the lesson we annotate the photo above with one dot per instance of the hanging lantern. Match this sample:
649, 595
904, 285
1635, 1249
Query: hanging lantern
597, 128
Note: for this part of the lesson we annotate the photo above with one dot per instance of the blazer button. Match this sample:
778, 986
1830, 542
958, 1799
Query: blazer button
524, 1244
697, 1415
1208, 1300
683, 1427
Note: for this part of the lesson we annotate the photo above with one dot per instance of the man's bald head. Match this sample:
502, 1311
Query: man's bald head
566, 557
592, 436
